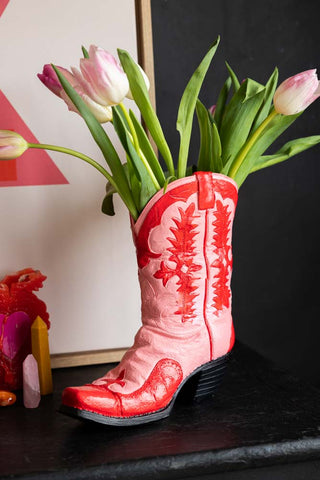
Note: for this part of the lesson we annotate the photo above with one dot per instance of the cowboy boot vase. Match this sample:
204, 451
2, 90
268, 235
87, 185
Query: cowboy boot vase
183, 244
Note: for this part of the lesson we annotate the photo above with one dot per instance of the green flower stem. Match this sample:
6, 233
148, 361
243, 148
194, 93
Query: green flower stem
74, 153
130, 205
147, 165
245, 150
133, 135
131, 126
152, 175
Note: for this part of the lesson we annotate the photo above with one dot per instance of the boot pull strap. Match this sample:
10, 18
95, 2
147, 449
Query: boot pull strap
206, 196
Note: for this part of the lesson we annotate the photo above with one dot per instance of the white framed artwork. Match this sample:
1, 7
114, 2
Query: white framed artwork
50, 203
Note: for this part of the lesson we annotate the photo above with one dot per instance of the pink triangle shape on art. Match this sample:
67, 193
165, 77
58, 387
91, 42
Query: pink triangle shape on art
34, 167
3, 4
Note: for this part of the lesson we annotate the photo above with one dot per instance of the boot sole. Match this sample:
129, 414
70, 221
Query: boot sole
200, 384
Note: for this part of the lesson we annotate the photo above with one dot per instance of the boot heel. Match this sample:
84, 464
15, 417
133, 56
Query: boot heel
210, 378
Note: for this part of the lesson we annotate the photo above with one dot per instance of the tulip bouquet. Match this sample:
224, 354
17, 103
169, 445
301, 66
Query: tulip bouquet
234, 133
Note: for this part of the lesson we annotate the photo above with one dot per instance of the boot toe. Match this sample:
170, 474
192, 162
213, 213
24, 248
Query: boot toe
92, 399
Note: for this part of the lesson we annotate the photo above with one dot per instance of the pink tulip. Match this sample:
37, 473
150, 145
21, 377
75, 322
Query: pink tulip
50, 79
297, 93
12, 145
103, 78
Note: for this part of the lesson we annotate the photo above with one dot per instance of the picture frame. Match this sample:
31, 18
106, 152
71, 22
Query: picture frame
21, 252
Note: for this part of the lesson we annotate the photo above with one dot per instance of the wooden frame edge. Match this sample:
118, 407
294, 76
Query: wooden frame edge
95, 357
145, 43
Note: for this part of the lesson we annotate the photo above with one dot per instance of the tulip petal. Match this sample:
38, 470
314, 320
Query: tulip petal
296, 93
106, 81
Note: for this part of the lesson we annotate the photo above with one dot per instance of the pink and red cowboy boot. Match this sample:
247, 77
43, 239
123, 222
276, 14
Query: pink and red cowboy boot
183, 242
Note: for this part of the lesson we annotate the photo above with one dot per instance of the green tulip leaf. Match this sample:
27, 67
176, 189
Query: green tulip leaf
148, 188
107, 205
294, 147
205, 152
168, 180
238, 118
104, 143
187, 108
190, 170
141, 97
216, 150
85, 52
221, 102
122, 115
264, 111
123, 130
147, 149
225, 169
272, 131
234, 78
135, 183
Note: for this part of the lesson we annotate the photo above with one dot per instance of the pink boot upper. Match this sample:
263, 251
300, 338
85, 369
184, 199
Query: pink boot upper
183, 242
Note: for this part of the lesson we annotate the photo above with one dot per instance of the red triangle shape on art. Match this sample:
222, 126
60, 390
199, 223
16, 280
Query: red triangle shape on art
34, 167
3, 4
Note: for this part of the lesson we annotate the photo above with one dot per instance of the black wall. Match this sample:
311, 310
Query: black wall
276, 286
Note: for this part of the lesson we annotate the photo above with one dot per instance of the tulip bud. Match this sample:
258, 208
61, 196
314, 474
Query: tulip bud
297, 93
212, 109
12, 145
106, 82
50, 79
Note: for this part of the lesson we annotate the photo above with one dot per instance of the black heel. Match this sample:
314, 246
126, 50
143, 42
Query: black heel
209, 378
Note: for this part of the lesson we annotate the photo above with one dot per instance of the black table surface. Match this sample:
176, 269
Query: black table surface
262, 424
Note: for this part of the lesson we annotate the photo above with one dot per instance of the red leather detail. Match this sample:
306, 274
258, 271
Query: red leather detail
222, 225
182, 251
153, 219
206, 197
226, 189
205, 299
232, 338
93, 398
155, 393
208, 186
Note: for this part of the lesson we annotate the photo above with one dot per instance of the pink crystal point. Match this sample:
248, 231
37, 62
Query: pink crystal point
31, 385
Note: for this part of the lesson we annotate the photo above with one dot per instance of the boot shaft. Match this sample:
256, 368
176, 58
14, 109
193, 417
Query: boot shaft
183, 242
